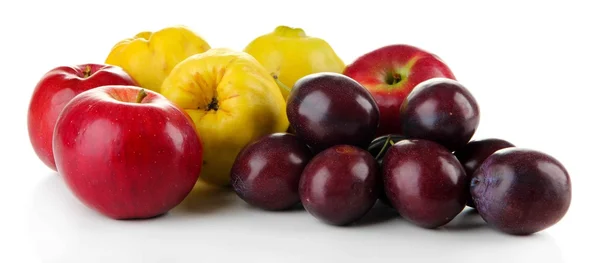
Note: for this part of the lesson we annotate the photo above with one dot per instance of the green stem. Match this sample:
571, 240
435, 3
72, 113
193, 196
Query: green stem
280, 84
388, 140
140, 96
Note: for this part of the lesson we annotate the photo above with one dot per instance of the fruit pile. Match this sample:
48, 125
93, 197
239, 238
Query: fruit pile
285, 122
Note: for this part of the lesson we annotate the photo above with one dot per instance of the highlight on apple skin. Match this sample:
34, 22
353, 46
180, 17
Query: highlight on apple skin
52, 92
126, 152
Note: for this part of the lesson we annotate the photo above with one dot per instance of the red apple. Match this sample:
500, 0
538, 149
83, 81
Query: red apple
390, 73
127, 153
54, 90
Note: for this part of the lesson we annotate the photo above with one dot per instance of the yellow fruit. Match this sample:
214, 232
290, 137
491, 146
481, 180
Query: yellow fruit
289, 54
149, 57
232, 100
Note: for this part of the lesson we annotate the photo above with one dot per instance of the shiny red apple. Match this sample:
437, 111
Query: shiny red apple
390, 73
57, 87
127, 153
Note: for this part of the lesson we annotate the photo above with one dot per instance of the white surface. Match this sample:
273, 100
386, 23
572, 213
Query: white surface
533, 69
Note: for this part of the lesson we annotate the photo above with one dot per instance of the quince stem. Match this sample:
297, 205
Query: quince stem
140, 96
280, 84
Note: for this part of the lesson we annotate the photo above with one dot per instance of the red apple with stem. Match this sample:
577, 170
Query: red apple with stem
57, 87
127, 153
390, 73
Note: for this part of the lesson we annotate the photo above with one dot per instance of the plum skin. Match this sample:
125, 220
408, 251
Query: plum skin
340, 185
327, 109
474, 153
267, 171
521, 191
440, 110
424, 182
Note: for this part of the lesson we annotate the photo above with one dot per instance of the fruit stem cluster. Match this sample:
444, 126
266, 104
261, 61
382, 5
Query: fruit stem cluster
389, 141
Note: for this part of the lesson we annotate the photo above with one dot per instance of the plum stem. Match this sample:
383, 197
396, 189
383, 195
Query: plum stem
387, 140
140, 96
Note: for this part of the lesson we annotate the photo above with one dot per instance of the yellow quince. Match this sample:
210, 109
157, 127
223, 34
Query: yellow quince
290, 54
232, 100
150, 56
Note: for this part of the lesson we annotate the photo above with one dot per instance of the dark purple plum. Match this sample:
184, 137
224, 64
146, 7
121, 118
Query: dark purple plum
327, 109
340, 184
440, 110
424, 182
521, 191
266, 173
475, 152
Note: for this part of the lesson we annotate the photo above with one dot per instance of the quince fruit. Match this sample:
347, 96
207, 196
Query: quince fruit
150, 56
290, 54
232, 100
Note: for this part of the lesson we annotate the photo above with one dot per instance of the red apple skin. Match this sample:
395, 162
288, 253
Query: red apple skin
408, 64
124, 159
57, 87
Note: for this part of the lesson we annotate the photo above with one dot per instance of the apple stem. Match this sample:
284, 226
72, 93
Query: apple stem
281, 84
140, 96
87, 72
393, 78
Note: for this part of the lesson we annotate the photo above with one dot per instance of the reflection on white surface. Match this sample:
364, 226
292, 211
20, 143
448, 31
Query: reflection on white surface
222, 228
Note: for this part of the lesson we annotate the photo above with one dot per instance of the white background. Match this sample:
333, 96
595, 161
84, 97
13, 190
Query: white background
533, 68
